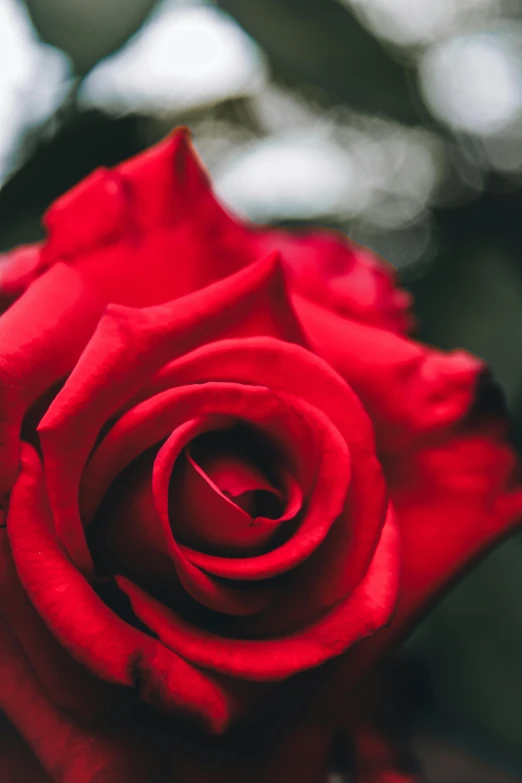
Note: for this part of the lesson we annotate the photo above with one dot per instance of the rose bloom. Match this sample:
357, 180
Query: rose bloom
230, 481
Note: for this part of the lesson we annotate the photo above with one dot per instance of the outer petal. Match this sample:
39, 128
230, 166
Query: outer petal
410, 390
145, 232
455, 498
18, 269
367, 609
41, 337
328, 268
67, 684
61, 595
69, 752
160, 206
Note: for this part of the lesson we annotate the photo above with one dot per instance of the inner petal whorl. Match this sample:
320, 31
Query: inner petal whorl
230, 492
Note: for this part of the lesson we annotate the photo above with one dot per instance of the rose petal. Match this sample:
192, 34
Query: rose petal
325, 504
408, 389
201, 586
140, 540
41, 337
69, 751
67, 684
331, 573
281, 366
242, 467
24, 702
131, 529
332, 270
288, 368
160, 206
18, 269
454, 500
157, 206
366, 610
127, 347
233, 474
204, 518
92, 213
138, 429
61, 595
151, 420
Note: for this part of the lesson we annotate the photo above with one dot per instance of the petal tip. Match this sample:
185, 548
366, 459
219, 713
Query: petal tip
187, 164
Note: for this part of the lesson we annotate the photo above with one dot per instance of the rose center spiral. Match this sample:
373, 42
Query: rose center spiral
229, 491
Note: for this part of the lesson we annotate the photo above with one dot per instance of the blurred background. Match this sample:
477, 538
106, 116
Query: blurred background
397, 121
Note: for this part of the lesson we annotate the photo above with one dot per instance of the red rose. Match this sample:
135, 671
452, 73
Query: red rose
216, 477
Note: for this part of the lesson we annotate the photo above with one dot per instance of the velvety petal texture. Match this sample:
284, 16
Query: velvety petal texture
229, 482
